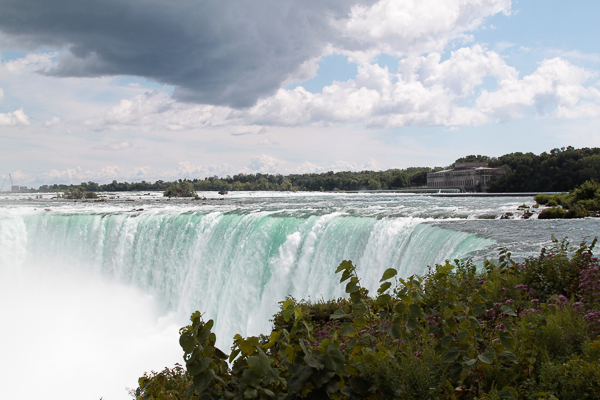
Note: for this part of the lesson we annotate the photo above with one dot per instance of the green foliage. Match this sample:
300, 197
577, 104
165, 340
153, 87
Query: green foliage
474, 158
576, 379
553, 213
584, 201
180, 189
169, 384
560, 170
508, 331
554, 271
79, 192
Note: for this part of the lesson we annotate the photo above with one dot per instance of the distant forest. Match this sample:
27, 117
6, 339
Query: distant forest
560, 170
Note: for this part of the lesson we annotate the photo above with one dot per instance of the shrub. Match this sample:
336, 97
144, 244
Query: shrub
577, 379
589, 190
180, 189
509, 331
552, 213
169, 384
565, 334
541, 198
555, 272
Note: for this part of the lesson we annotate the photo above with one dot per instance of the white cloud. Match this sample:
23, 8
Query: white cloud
186, 169
267, 142
413, 27
555, 88
51, 122
338, 166
104, 174
235, 52
265, 164
14, 118
113, 146
425, 91
31, 63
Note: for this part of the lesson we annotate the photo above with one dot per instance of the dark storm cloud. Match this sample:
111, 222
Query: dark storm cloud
226, 52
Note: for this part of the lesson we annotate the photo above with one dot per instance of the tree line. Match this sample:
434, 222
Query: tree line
559, 170
328, 181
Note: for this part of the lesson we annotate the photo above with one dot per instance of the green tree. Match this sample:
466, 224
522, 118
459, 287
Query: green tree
180, 189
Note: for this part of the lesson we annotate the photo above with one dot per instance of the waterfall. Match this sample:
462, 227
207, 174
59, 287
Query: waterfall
234, 267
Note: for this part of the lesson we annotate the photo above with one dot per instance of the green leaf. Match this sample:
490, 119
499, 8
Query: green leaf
246, 347
412, 325
289, 302
313, 362
446, 340
384, 286
507, 310
359, 385
351, 287
322, 378
208, 326
355, 296
400, 308
259, 364
462, 335
187, 342
478, 309
445, 268
250, 393
288, 312
507, 340
345, 276
397, 331
415, 311
298, 313
389, 273
339, 313
201, 380
383, 300
346, 328
359, 308
488, 356
344, 265
360, 323
202, 336
197, 367
471, 362
508, 355
488, 285
450, 355
297, 381
234, 354
250, 378
508, 392
220, 354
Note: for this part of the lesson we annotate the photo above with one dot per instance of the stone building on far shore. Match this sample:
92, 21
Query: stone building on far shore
466, 176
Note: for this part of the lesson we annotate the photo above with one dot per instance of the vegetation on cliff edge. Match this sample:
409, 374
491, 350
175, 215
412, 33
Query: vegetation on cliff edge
512, 330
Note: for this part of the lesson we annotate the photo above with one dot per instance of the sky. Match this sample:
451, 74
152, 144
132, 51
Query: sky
98, 90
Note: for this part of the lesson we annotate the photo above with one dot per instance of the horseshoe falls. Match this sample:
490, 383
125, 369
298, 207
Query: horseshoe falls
100, 289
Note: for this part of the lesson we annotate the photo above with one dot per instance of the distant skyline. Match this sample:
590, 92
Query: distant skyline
145, 90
